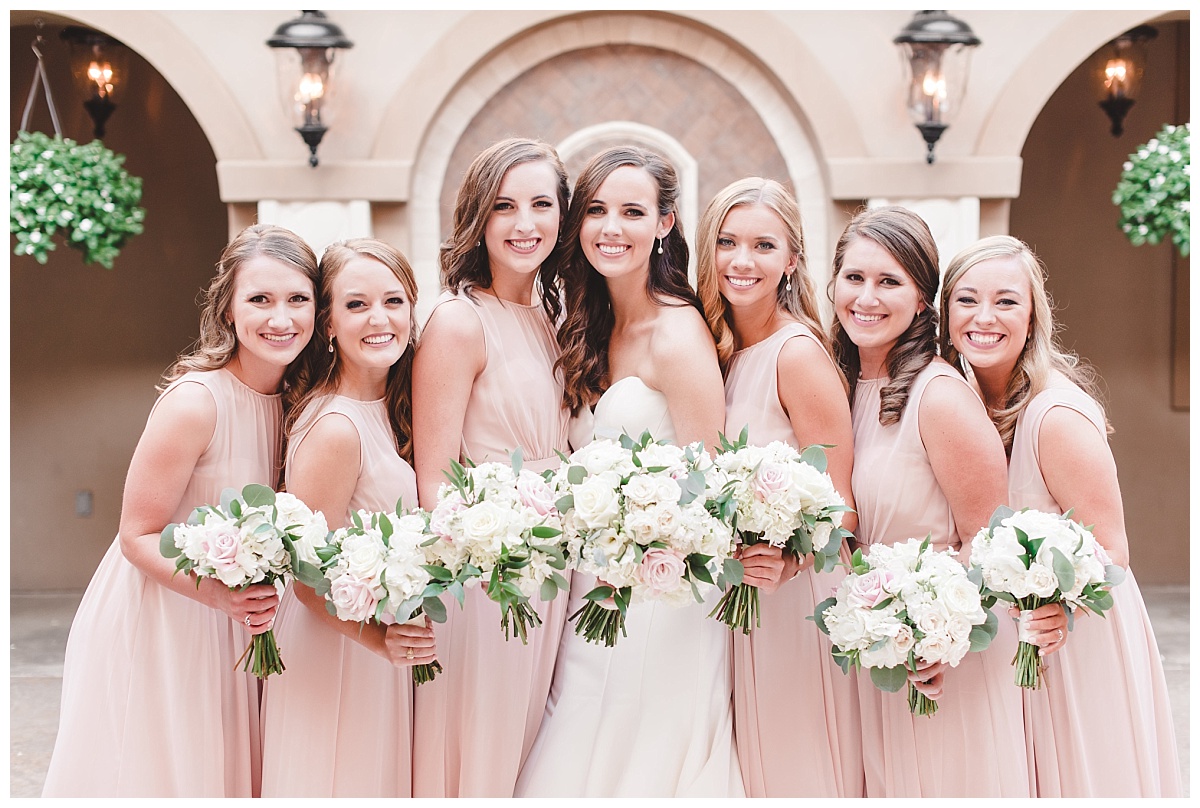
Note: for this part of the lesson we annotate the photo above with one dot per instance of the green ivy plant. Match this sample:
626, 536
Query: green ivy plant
1155, 190
57, 183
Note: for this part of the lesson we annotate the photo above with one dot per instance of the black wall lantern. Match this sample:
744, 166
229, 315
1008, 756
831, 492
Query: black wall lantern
305, 53
1122, 63
98, 63
936, 50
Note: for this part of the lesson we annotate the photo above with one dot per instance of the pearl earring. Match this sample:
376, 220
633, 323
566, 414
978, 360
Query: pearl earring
660, 248
331, 344
789, 283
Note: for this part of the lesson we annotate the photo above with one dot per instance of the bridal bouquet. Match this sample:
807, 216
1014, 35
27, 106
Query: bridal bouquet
501, 521
256, 537
780, 496
903, 603
636, 517
376, 570
1031, 558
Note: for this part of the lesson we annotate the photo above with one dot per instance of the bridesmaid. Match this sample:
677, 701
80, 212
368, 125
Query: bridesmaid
484, 385
1105, 681
926, 462
152, 703
791, 700
347, 689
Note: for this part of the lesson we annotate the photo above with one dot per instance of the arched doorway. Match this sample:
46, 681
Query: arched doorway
1117, 303
88, 344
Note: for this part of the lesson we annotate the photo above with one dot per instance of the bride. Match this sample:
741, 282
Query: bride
651, 716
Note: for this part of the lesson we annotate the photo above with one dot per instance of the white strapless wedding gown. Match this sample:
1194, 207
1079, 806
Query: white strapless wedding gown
651, 716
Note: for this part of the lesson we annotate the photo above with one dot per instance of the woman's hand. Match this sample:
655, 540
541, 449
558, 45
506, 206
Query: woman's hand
407, 644
768, 567
1047, 627
928, 678
254, 607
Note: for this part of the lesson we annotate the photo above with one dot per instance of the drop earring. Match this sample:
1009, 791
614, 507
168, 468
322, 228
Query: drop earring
789, 283
331, 344
658, 241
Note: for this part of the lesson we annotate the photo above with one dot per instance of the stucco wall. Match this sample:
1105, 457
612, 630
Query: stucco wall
87, 345
1115, 300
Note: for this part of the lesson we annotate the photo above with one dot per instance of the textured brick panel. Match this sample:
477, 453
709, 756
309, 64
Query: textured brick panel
653, 87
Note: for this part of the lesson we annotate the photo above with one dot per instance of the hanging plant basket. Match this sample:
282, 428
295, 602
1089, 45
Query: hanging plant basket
1154, 193
82, 190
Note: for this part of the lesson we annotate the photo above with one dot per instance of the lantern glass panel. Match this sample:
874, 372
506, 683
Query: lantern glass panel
307, 79
936, 74
99, 68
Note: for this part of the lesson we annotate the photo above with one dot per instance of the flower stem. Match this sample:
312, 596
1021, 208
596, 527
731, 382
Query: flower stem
919, 703
425, 673
598, 625
738, 608
261, 656
1028, 666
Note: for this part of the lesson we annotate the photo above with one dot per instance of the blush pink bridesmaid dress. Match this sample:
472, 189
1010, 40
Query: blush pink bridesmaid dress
338, 721
1100, 726
152, 705
796, 717
476, 722
974, 746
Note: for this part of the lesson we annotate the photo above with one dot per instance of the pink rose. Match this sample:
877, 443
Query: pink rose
535, 493
223, 546
352, 597
661, 570
870, 589
771, 479
442, 514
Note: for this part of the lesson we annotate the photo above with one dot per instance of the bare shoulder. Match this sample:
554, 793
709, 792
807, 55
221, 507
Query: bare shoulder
1064, 428
333, 435
680, 334
948, 398
452, 323
187, 409
801, 355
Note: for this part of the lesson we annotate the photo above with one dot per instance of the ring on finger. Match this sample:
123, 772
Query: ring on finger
1060, 635
408, 654
247, 621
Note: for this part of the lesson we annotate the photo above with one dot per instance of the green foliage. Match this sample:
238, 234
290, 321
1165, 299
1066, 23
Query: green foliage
1154, 193
55, 183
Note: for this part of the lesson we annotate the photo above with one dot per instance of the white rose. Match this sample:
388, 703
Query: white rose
641, 489
961, 597
363, 555
668, 489
596, 503
934, 647
484, 523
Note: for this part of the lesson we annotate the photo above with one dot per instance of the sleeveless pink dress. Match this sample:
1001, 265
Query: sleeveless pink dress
795, 713
476, 722
974, 746
1101, 724
151, 703
338, 721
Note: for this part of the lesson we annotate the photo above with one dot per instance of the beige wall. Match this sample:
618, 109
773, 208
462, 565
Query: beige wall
1115, 300
87, 344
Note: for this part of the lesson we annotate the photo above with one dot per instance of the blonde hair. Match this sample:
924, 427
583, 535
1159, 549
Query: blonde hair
322, 373
795, 294
1041, 354
217, 343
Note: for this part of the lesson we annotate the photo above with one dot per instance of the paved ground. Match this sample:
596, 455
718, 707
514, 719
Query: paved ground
38, 635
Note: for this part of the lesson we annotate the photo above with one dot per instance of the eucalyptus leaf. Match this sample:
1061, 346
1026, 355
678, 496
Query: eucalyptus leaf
518, 460
576, 475
548, 589
889, 679
258, 496
228, 495
999, 515
819, 615
733, 571
815, 457
166, 542
1114, 574
435, 609
1063, 570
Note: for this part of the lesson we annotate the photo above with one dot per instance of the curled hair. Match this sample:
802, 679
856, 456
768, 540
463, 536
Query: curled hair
906, 238
587, 327
463, 257
217, 343
799, 301
1040, 356
325, 371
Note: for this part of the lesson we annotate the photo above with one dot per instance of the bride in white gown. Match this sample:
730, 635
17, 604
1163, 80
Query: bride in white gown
651, 716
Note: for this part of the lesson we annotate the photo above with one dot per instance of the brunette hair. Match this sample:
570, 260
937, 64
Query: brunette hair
463, 256
217, 343
906, 238
587, 327
1040, 356
795, 293
325, 371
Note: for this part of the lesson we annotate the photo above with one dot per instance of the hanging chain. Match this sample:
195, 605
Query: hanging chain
39, 74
